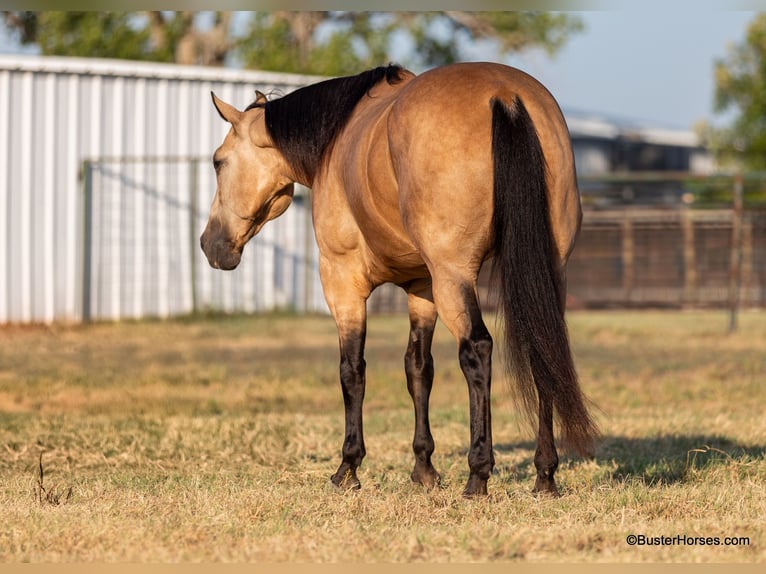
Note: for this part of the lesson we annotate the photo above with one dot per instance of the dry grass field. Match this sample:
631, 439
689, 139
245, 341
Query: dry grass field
213, 440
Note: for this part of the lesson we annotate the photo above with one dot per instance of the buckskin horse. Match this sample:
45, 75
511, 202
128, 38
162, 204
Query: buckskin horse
417, 180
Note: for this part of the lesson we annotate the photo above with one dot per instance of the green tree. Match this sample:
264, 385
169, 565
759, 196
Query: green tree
326, 43
740, 87
178, 37
98, 34
510, 31
333, 43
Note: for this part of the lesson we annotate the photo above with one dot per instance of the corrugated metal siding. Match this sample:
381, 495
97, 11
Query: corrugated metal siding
144, 258
58, 112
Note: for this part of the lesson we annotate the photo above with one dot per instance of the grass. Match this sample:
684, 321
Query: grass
213, 440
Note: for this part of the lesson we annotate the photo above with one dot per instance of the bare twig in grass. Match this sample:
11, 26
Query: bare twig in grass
52, 496
691, 456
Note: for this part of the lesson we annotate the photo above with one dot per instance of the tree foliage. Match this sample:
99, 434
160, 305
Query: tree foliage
176, 37
511, 31
97, 34
333, 43
326, 43
740, 87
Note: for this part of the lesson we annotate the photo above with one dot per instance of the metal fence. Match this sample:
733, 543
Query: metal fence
660, 240
677, 258
143, 218
666, 239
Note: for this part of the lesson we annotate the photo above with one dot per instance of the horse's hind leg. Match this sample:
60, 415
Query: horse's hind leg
546, 457
419, 367
458, 306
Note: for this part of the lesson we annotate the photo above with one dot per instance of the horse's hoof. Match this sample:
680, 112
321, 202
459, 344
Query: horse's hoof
476, 487
427, 477
346, 480
546, 487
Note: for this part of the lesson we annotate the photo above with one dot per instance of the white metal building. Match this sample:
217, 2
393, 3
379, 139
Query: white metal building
155, 126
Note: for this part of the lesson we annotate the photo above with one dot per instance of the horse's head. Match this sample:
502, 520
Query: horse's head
254, 185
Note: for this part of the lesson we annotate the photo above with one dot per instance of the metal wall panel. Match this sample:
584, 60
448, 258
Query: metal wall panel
5, 185
142, 226
56, 113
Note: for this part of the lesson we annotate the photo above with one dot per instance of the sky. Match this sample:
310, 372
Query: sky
652, 63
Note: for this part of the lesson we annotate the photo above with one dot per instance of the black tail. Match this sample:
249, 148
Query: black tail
530, 283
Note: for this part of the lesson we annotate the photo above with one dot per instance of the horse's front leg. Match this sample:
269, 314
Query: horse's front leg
348, 306
352, 380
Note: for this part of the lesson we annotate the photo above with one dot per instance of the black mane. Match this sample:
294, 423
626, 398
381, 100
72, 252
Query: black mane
305, 123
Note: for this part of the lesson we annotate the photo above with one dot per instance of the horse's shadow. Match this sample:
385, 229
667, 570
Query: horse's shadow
658, 460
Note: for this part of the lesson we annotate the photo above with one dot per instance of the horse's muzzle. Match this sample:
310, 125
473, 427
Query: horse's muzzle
220, 253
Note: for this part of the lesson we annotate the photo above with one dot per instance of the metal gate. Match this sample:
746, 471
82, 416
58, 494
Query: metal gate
142, 222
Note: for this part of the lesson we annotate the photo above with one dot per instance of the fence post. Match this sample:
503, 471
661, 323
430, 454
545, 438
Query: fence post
193, 241
690, 257
628, 256
735, 269
746, 272
87, 254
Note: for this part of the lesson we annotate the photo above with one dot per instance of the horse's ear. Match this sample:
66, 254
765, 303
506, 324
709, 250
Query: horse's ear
260, 97
226, 111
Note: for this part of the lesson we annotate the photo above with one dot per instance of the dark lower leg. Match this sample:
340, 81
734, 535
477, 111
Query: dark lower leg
419, 367
546, 458
352, 378
475, 361
455, 295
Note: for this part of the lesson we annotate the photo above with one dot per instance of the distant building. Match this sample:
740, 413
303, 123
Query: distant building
628, 163
604, 145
